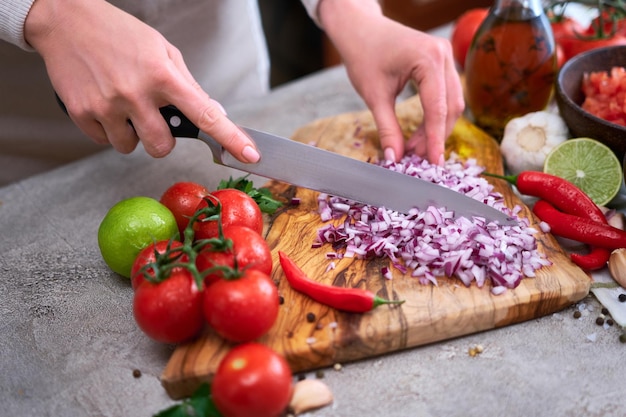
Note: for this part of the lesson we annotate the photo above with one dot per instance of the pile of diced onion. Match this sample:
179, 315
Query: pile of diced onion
430, 243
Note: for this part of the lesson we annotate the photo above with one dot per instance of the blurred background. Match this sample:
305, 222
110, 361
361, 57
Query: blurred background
298, 47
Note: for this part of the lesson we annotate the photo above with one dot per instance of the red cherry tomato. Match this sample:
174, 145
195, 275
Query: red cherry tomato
252, 380
577, 46
564, 26
169, 311
611, 21
463, 32
249, 249
148, 255
238, 208
182, 198
242, 309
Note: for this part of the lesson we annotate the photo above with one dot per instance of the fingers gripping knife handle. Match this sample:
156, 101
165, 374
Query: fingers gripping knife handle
180, 127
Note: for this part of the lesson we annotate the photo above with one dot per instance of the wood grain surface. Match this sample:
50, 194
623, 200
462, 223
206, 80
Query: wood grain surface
429, 314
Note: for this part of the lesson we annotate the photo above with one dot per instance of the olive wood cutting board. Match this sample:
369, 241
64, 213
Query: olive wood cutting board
429, 314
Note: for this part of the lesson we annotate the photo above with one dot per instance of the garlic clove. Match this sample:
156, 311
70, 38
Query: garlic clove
617, 266
309, 394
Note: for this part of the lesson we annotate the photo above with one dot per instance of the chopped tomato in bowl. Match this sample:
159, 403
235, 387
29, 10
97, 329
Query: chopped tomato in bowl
578, 82
605, 94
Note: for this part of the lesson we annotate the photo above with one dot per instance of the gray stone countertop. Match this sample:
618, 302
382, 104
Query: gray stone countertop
69, 344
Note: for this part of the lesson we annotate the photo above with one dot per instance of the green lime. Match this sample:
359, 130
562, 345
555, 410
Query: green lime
590, 165
131, 225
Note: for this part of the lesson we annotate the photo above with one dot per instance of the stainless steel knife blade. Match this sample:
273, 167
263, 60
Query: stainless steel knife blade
310, 167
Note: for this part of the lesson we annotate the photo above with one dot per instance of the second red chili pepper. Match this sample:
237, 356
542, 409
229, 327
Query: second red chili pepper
580, 229
354, 300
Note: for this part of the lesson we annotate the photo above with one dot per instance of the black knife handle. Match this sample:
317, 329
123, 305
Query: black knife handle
178, 123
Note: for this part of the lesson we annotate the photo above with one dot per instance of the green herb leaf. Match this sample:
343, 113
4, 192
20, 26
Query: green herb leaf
262, 196
199, 404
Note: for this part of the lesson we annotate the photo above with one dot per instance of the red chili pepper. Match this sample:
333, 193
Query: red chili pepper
595, 259
578, 228
354, 300
558, 191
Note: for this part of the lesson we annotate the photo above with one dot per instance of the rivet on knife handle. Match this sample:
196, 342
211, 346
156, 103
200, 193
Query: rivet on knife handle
182, 127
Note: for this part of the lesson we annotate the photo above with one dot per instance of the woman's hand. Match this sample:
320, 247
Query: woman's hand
110, 69
381, 56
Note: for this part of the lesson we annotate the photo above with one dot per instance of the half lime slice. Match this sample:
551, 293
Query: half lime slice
590, 165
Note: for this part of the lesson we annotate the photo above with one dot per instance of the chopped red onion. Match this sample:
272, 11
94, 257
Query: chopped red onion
431, 243
386, 272
498, 290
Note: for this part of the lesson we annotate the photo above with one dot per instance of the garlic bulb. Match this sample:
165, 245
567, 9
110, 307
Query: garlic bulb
528, 139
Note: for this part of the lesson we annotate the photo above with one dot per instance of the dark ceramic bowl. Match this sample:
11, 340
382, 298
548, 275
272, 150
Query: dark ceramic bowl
569, 97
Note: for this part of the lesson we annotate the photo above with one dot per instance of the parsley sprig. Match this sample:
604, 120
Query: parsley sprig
199, 404
262, 196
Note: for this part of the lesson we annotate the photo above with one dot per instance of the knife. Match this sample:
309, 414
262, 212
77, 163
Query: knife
310, 167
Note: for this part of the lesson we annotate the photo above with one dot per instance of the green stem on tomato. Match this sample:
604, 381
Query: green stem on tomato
228, 273
158, 270
615, 10
164, 263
